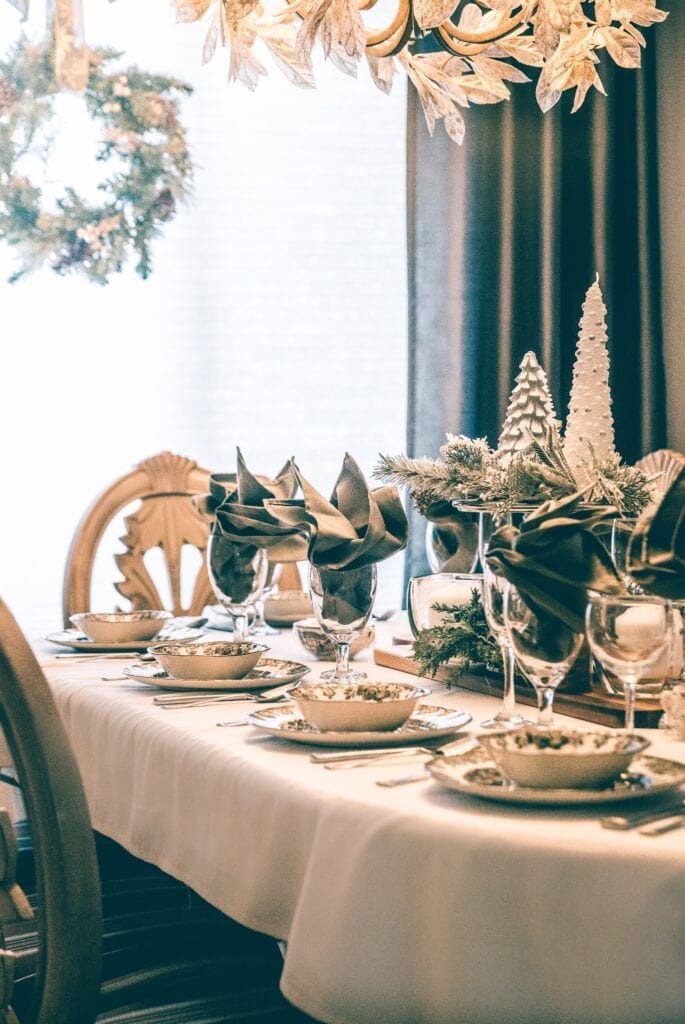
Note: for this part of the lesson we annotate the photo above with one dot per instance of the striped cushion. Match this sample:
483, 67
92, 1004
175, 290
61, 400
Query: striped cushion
169, 957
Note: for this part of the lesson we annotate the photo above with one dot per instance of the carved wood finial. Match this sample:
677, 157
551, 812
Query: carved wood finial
168, 473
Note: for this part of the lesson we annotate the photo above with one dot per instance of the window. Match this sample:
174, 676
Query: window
275, 317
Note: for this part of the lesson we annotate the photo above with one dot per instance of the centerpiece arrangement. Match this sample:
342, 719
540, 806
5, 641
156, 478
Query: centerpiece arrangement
534, 463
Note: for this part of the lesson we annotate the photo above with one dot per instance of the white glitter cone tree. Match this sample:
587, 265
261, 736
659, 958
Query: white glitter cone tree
530, 414
590, 424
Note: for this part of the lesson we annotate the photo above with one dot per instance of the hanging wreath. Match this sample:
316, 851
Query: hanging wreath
143, 147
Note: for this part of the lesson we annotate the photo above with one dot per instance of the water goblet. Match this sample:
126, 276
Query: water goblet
442, 589
628, 635
237, 573
545, 648
493, 605
342, 601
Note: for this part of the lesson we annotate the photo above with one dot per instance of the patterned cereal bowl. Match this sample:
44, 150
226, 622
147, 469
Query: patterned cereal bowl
120, 627
357, 707
313, 639
562, 758
212, 659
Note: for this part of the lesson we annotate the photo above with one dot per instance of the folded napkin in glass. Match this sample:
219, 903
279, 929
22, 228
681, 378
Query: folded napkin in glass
656, 551
554, 558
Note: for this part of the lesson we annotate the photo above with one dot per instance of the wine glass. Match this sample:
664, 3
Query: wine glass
342, 601
237, 573
260, 627
545, 648
628, 635
493, 605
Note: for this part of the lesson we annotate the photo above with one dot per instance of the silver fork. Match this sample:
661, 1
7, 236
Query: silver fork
336, 762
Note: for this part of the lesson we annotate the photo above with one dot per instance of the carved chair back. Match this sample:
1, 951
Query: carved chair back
67, 881
165, 519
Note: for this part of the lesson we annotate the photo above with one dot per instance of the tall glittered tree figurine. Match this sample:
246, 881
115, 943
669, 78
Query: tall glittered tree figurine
590, 425
530, 415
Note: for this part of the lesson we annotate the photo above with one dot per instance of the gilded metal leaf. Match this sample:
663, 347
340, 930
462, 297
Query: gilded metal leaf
431, 13
190, 10
623, 49
382, 71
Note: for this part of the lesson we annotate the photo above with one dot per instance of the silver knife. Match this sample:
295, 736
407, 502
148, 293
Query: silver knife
675, 821
627, 821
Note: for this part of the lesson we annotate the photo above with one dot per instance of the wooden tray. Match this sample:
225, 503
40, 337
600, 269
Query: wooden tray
592, 707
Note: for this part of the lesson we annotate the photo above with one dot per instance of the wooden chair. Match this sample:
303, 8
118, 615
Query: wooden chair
166, 519
168, 956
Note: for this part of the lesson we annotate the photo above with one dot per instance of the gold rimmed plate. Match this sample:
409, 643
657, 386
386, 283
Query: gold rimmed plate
78, 641
271, 671
476, 774
427, 722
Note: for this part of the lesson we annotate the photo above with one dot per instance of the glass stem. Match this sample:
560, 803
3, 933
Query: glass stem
342, 659
259, 620
545, 695
629, 687
240, 630
509, 694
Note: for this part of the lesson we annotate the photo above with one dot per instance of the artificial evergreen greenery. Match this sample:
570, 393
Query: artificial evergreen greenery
472, 472
463, 635
142, 148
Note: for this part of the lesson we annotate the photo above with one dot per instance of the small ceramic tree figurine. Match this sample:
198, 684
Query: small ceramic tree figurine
590, 424
530, 414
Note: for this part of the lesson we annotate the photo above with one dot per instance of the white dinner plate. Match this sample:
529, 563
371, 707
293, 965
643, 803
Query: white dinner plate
76, 640
267, 670
427, 723
476, 774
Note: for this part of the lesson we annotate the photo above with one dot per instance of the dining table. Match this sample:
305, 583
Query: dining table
407, 904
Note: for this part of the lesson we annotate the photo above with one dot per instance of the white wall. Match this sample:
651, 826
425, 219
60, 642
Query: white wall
275, 318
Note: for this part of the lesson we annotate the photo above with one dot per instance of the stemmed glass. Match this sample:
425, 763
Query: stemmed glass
493, 605
545, 649
237, 573
342, 601
627, 635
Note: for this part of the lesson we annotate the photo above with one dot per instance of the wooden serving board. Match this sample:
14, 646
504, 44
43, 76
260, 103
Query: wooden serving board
592, 707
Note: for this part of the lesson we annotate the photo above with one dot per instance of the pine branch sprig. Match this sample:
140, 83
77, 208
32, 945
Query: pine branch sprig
464, 636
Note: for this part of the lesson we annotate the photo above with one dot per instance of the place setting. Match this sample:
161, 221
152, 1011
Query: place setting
123, 633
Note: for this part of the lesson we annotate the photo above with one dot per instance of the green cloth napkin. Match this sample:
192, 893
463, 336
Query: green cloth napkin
656, 550
357, 527
236, 503
554, 559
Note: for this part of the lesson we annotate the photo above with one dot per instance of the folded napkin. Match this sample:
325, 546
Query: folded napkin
656, 551
554, 559
357, 527
236, 503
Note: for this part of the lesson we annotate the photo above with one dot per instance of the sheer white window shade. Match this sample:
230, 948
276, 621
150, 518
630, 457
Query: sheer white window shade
275, 317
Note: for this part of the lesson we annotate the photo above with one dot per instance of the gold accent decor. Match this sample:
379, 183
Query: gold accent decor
455, 52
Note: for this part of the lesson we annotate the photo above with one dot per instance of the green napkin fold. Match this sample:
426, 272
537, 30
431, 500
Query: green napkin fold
357, 527
656, 550
554, 558
236, 503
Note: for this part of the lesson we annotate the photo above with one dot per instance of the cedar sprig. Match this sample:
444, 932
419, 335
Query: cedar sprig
464, 635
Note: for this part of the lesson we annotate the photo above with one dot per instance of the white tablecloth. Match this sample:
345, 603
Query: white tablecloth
412, 905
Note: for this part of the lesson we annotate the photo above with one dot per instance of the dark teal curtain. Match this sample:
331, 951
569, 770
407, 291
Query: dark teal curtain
507, 233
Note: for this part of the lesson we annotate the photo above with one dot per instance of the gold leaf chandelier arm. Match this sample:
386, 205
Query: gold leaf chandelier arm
458, 49
390, 40
489, 35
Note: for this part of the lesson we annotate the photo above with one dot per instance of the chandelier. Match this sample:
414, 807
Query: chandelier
454, 55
